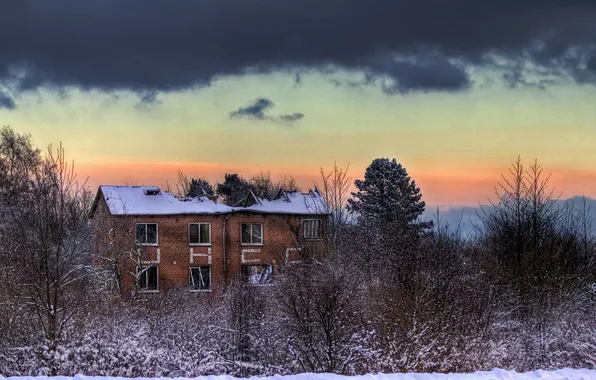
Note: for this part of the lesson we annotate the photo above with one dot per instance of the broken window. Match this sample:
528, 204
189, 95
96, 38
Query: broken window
147, 278
200, 278
257, 274
199, 233
146, 233
252, 233
312, 228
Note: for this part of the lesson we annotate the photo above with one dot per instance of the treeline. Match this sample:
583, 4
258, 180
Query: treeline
393, 293
235, 188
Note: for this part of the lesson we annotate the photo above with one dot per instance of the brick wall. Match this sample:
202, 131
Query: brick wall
174, 255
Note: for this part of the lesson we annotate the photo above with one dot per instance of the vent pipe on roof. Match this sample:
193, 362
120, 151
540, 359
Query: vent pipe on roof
151, 191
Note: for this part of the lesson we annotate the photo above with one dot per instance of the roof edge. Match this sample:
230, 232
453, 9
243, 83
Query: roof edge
233, 209
239, 211
94, 205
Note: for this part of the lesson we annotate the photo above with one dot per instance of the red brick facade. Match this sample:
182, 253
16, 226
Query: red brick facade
222, 256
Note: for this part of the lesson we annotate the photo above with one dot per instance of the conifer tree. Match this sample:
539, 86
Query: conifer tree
200, 186
388, 195
233, 190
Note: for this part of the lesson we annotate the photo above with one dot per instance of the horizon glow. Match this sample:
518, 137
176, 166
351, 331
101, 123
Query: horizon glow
455, 145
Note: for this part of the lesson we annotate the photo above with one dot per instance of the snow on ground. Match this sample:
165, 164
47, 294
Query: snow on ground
496, 374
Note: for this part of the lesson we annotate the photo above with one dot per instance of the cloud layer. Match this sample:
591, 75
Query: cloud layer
6, 101
258, 110
255, 110
149, 46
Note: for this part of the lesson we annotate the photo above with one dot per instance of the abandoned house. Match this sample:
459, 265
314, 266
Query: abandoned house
152, 240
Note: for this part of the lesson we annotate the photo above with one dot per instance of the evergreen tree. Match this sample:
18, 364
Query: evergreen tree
233, 190
388, 195
200, 186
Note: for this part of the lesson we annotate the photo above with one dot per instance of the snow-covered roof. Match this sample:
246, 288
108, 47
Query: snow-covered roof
291, 203
150, 200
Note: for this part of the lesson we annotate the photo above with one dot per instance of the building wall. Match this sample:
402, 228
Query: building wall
174, 255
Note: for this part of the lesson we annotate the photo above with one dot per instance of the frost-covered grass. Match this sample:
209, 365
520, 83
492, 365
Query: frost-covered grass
495, 374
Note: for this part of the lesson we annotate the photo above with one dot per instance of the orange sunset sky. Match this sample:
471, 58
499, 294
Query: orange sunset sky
454, 145
455, 91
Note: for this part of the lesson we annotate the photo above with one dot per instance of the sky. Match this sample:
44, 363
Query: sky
455, 91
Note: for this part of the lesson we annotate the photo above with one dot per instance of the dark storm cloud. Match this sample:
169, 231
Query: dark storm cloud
404, 45
258, 110
255, 110
297, 79
148, 98
421, 73
591, 64
6, 101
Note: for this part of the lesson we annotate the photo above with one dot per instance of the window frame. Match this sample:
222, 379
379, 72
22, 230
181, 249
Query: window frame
156, 234
145, 290
190, 277
251, 243
199, 244
320, 229
244, 278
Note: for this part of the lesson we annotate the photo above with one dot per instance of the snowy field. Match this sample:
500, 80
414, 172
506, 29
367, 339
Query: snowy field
496, 374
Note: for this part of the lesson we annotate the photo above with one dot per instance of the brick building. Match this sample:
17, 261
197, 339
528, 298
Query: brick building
153, 241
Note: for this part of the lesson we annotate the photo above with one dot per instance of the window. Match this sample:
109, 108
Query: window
148, 278
252, 233
312, 228
257, 274
200, 278
199, 233
146, 233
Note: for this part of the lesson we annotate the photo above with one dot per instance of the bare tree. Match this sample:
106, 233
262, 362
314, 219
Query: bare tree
50, 246
182, 184
264, 186
335, 189
18, 160
322, 318
583, 223
538, 261
529, 233
118, 255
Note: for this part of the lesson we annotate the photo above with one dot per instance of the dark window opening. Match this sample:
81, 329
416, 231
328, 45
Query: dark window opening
199, 233
252, 233
146, 233
200, 278
312, 229
257, 274
148, 278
